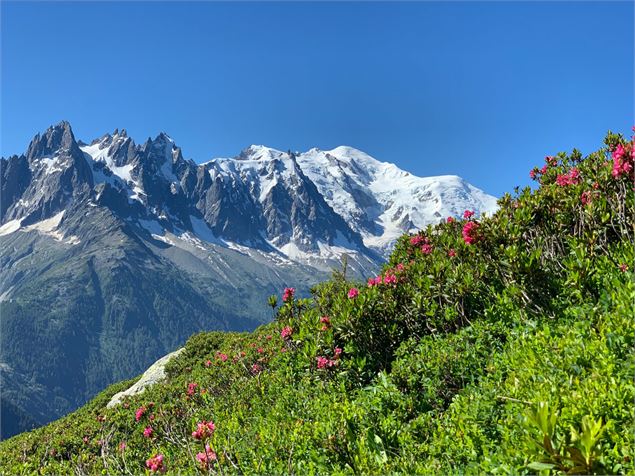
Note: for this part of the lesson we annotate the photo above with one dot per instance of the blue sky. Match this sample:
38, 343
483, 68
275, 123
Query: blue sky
481, 90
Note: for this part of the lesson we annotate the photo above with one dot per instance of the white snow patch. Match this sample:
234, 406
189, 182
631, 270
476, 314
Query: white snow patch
10, 227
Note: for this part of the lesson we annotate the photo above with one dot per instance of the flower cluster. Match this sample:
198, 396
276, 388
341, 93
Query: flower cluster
204, 430
467, 214
222, 357
622, 160
571, 178
288, 294
353, 293
191, 388
469, 232
286, 332
156, 464
147, 432
139, 413
326, 323
206, 458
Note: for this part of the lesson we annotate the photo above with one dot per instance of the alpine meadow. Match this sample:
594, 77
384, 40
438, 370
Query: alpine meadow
499, 343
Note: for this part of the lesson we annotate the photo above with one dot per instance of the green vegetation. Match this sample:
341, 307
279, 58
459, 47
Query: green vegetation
503, 345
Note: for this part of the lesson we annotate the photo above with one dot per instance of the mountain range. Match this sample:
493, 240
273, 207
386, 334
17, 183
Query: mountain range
113, 253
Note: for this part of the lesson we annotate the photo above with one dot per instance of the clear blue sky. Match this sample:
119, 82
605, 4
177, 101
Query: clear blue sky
482, 90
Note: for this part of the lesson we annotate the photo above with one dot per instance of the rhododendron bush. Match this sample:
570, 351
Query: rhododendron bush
487, 344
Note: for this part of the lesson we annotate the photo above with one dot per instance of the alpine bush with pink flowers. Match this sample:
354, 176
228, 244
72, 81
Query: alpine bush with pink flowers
499, 344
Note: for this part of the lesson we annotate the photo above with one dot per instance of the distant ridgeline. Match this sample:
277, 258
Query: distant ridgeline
114, 253
500, 344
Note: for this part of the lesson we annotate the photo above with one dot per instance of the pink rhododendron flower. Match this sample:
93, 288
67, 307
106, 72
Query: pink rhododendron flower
122, 446
323, 362
622, 160
400, 267
426, 249
416, 240
288, 294
204, 430
156, 464
353, 293
191, 388
208, 363
374, 281
571, 178
147, 432
451, 252
337, 351
260, 350
469, 232
543, 169
467, 214
325, 320
551, 160
585, 198
450, 220
532, 174
139, 413
391, 278
206, 459
222, 357
286, 332
256, 368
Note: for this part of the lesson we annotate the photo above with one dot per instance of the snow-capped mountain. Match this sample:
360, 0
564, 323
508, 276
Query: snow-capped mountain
309, 207
113, 252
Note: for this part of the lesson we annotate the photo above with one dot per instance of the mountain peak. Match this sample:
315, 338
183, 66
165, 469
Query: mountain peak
56, 137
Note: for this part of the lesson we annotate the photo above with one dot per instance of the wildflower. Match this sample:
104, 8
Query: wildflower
288, 294
551, 160
208, 363
623, 267
467, 214
391, 278
543, 169
451, 253
256, 369
139, 413
450, 220
191, 388
596, 185
585, 198
353, 293
400, 267
469, 232
325, 320
286, 332
323, 362
155, 464
532, 174
205, 459
337, 351
374, 282
283, 350
147, 432
415, 240
122, 446
622, 165
260, 350
204, 430
571, 178
222, 357
426, 249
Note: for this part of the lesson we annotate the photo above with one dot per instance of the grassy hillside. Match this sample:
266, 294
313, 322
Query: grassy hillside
497, 345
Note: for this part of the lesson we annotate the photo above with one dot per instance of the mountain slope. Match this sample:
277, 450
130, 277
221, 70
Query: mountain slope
114, 252
484, 346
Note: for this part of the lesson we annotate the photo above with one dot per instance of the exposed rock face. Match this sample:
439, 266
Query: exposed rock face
154, 374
